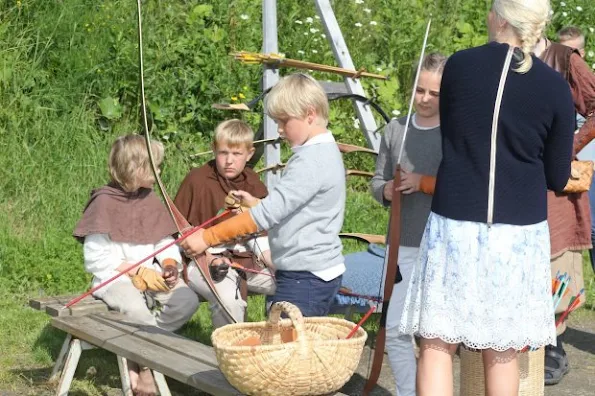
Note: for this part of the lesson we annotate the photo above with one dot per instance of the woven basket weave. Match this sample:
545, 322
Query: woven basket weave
531, 367
318, 362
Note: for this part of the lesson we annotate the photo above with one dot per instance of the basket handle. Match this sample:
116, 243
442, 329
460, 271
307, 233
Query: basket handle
294, 313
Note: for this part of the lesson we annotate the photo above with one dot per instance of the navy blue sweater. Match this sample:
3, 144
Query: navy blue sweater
534, 141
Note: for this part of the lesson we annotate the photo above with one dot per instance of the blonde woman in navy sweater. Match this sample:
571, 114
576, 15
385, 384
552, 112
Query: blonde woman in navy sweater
483, 275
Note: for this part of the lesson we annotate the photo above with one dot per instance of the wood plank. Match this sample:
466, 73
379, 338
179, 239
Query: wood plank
58, 310
40, 303
170, 363
160, 337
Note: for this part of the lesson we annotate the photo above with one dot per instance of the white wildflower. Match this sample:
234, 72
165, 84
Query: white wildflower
315, 39
299, 22
244, 17
579, 8
592, 30
355, 123
301, 52
562, 4
316, 16
323, 35
565, 14
312, 30
314, 51
367, 10
306, 33
593, 66
309, 20
373, 23
396, 113
590, 54
359, 1
357, 24
379, 69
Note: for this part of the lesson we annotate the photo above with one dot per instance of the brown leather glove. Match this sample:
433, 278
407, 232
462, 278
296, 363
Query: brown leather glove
233, 203
219, 267
149, 279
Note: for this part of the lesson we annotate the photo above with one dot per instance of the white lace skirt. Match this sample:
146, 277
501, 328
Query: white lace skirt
483, 287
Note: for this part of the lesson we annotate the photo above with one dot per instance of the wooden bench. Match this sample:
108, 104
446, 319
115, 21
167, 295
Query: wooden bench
90, 324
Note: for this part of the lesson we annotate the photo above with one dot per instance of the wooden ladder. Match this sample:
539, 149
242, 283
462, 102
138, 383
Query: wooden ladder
272, 152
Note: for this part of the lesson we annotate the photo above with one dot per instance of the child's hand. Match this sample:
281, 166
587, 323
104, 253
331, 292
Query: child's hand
246, 199
149, 279
194, 244
409, 182
219, 267
388, 191
170, 274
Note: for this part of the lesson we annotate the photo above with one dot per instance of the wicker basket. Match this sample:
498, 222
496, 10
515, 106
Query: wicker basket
531, 367
319, 361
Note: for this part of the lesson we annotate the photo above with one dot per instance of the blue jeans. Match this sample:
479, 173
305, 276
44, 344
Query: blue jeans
592, 203
312, 295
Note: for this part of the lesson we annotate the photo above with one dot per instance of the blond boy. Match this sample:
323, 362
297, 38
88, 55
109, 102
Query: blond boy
202, 195
303, 213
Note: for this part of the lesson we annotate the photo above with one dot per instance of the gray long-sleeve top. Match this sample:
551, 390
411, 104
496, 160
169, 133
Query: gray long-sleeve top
422, 154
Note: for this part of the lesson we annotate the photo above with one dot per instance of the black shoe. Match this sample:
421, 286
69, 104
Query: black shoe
556, 364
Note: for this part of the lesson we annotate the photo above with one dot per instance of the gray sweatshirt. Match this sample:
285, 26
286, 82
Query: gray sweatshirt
422, 154
304, 211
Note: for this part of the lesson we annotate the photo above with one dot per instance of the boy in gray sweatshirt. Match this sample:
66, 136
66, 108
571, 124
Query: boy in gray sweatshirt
304, 211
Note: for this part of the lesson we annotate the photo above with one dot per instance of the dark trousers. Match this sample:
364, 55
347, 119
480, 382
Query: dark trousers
312, 295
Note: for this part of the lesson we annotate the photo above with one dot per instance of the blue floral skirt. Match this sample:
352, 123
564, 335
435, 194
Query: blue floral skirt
485, 287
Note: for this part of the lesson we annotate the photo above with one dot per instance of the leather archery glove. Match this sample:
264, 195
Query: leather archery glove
237, 226
149, 279
235, 204
218, 271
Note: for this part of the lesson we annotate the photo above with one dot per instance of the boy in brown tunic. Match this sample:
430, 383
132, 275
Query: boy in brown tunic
202, 195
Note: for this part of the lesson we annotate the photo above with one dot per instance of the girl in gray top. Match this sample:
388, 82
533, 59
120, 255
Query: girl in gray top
421, 158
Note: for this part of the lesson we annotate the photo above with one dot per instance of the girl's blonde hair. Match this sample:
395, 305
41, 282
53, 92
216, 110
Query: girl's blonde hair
528, 19
129, 163
434, 62
294, 95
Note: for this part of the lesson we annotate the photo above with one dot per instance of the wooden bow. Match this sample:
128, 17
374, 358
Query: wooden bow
182, 224
394, 235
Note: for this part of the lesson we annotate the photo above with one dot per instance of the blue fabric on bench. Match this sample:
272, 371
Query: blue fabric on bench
363, 275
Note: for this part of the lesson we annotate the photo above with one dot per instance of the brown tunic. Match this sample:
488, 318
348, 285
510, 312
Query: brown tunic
202, 193
139, 217
569, 215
